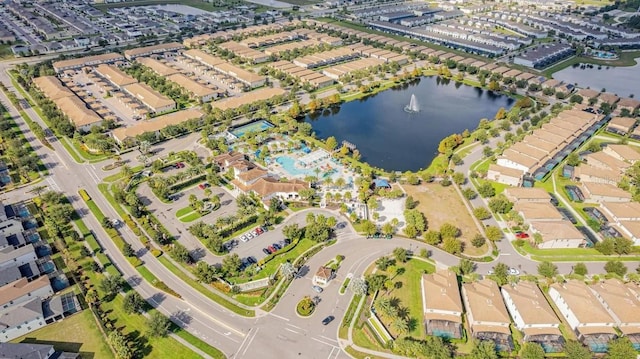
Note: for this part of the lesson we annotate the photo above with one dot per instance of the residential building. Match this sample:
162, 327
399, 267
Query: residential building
622, 304
604, 192
544, 55
630, 104
10, 257
22, 290
625, 216
33, 351
114, 75
533, 315
558, 234
622, 152
487, 314
504, 175
527, 194
441, 304
21, 319
602, 160
197, 90
159, 67
262, 94
584, 313
155, 125
587, 173
154, 49
74, 64
621, 125
537, 211
155, 101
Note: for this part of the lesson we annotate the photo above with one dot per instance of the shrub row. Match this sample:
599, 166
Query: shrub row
85, 196
284, 250
165, 288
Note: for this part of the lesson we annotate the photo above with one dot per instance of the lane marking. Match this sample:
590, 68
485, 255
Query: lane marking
291, 330
280, 317
250, 341
330, 339
295, 326
325, 343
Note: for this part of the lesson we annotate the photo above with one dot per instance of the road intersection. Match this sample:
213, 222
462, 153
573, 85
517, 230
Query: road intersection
281, 333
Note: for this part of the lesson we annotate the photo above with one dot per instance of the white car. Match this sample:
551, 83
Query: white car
513, 271
244, 238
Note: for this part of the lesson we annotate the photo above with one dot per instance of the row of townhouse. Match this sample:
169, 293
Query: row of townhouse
244, 52
247, 78
543, 149
592, 311
474, 35
601, 172
544, 55
28, 277
542, 217
326, 58
315, 79
624, 126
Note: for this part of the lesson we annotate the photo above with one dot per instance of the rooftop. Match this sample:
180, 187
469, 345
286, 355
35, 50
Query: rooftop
485, 302
582, 302
531, 303
441, 293
620, 300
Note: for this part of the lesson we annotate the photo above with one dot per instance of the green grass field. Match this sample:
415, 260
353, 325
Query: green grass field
207, 6
84, 336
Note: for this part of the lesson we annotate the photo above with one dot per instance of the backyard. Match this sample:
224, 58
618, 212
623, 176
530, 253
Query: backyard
86, 340
453, 212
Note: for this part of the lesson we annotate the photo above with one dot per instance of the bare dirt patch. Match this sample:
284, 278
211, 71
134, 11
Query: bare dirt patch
443, 204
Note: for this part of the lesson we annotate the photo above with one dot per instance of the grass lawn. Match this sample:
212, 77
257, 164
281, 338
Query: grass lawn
409, 294
193, 3
190, 217
78, 334
5, 52
183, 211
627, 58
452, 211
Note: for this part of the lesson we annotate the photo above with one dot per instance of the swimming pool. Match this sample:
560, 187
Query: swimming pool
257, 126
288, 164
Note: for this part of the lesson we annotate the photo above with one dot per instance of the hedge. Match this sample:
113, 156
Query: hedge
85, 196
156, 252
92, 243
103, 260
284, 250
165, 288
135, 261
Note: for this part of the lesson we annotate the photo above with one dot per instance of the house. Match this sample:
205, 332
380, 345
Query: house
537, 211
225, 160
622, 152
625, 216
323, 276
622, 304
73, 64
21, 319
608, 98
487, 314
196, 90
268, 188
153, 49
587, 173
155, 125
604, 192
152, 99
10, 257
587, 94
558, 234
527, 194
441, 304
114, 75
22, 290
504, 175
533, 315
629, 104
602, 160
584, 313
621, 125
33, 351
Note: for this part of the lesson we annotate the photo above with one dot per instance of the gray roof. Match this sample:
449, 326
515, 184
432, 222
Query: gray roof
18, 314
9, 274
25, 350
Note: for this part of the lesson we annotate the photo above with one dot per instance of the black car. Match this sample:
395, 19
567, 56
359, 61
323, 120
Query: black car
276, 246
252, 260
266, 251
328, 320
287, 241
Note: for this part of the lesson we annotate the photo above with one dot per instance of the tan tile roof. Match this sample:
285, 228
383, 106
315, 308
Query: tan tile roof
324, 272
157, 66
536, 211
203, 57
622, 210
527, 193
557, 230
541, 331
598, 173
149, 96
228, 158
621, 301
595, 330
104, 58
608, 98
267, 186
156, 124
485, 302
192, 86
239, 73
153, 49
625, 123
77, 111
248, 98
531, 303
22, 287
588, 93
600, 158
605, 189
629, 153
530, 151
52, 88
505, 171
252, 174
441, 293
519, 158
582, 302
115, 75
629, 103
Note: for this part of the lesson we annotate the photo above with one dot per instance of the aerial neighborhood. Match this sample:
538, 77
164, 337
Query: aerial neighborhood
309, 179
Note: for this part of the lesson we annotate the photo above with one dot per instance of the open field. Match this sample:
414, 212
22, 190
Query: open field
449, 209
84, 336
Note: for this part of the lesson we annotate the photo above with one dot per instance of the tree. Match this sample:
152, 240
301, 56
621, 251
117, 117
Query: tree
120, 346
400, 254
127, 250
375, 282
481, 213
501, 273
179, 253
133, 303
486, 190
500, 204
400, 325
573, 159
622, 245
616, 267
448, 230
331, 143
478, 240
385, 306
358, 286
111, 284
287, 270
466, 266
485, 349
231, 264
458, 178
575, 350
493, 233
621, 348
580, 269
452, 245
293, 231
432, 237
158, 324
410, 203
547, 269
531, 350
368, 227
384, 262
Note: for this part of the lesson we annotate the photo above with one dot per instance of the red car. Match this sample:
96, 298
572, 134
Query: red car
522, 235
272, 249
203, 185
179, 165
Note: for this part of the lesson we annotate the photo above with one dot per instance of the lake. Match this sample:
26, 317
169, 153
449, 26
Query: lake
389, 138
619, 80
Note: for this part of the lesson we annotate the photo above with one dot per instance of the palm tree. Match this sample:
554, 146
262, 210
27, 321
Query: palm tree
215, 201
400, 325
38, 190
385, 307
383, 263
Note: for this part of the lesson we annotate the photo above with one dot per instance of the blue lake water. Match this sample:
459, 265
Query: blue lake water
392, 139
622, 81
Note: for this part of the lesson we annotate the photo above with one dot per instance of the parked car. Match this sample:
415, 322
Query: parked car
317, 289
266, 251
513, 271
252, 260
244, 238
249, 235
522, 235
328, 320
204, 185
287, 241
276, 246
258, 231
179, 165
272, 249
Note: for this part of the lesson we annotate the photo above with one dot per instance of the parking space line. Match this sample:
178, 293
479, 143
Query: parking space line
325, 343
279, 317
291, 330
297, 327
